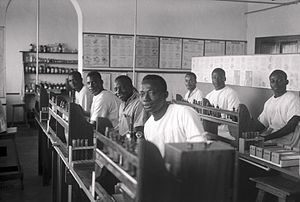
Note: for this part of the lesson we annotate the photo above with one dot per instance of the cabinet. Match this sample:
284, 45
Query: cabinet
51, 73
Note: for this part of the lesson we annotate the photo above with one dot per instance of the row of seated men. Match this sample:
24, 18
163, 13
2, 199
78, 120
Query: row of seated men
162, 122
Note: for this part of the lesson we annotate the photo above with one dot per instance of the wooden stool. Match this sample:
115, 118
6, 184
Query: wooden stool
283, 188
23, 106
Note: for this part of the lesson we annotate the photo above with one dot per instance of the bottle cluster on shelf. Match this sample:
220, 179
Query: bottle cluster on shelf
30, 87
46, 69
32, 58
51, 48
128, 141
50, 86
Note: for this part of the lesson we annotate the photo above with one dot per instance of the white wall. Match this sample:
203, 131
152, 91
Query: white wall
58, 23
189, 18
275, 22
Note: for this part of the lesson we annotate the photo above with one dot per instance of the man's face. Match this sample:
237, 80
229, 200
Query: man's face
73, 82
190, 82
278, 84
152, 99
123, 92
94, 85
218, 80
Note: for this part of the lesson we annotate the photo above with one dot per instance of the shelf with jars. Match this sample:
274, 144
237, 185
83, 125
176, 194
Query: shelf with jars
46, 69
51, 69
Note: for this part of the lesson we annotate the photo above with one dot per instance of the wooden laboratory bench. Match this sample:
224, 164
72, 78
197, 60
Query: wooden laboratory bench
250, 167
292, 171
69, 182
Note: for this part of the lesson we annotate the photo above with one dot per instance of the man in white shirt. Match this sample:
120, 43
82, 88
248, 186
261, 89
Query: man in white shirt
222, 97
279, 120
105, 103
168, 123
82, 95
193, 93
131, 111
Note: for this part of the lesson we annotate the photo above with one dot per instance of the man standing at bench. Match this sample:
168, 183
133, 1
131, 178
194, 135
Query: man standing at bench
82, 95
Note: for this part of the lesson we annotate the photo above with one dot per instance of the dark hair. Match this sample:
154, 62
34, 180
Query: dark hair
191, 74
95, 74
76, 75
157, 81
218, 70
280, 72
125, 80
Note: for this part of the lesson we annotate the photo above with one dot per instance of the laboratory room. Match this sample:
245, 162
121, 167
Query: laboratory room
149, 100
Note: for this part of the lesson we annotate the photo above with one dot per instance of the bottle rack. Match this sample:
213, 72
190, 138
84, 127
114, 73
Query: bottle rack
138, 165
238, 120
67, 122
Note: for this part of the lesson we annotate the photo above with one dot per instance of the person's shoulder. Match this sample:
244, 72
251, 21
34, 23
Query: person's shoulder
149, 121
229, 89
198, 90
85, 90
210, 93
180, 108
291, 95
108, 93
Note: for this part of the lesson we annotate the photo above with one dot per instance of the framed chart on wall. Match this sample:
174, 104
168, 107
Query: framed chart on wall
170, 53
95, 50
235, 48
214, 48
121, 51
191, 48
146, 53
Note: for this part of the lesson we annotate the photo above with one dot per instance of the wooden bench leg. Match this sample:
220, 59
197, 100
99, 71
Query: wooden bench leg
260, 196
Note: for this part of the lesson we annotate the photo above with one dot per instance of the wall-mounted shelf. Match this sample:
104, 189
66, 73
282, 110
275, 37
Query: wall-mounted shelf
68, 52
115, 69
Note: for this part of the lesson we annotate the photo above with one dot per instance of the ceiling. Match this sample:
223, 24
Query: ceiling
267, 4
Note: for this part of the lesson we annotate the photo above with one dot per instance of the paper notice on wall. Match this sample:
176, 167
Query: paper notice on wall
170, 53
121, 51
249, 70
146, 52
191, 48
95, 50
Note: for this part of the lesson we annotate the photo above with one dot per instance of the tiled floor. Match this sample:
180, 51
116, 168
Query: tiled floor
34, 191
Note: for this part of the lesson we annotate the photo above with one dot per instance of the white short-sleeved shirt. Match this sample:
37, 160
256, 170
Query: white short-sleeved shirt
278, 111
196, 94
84, 98
179, 124
226, 98
105, 104
131, 108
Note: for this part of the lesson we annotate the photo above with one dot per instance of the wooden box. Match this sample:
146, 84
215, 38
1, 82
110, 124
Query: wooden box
204, 170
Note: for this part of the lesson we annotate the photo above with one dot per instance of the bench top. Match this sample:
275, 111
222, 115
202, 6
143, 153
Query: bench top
279, 184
